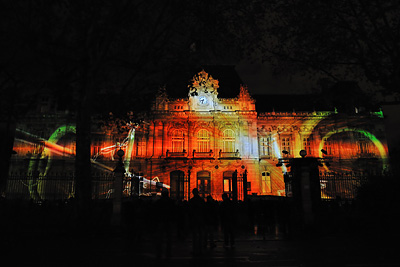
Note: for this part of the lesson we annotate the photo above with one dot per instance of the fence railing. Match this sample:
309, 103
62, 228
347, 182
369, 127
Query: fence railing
59, 186
54, 186
340, 185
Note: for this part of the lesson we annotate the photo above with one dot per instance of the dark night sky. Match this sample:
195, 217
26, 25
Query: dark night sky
260, 79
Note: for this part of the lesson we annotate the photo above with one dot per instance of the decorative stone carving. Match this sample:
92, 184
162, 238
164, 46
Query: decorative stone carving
203, 82
244, 93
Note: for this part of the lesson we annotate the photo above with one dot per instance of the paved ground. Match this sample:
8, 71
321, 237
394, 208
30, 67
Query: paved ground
42, 237
282, 252
109, 249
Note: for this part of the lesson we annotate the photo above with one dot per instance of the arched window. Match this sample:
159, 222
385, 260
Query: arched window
178, 141
228, 141
203, 141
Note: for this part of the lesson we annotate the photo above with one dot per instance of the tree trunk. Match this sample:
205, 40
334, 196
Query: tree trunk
83, 178
82, 161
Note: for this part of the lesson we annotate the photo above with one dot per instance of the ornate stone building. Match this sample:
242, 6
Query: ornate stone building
202, 140
218, 145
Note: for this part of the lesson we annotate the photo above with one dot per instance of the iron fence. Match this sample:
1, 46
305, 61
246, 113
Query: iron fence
54, 186
340, 185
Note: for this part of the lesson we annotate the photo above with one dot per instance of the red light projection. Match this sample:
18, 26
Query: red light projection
201, 140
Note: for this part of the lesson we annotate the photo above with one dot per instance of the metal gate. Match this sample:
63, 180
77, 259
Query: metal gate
333, 185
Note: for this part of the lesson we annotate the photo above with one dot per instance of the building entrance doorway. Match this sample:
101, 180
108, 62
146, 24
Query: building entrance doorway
227, 183
204, 183
177, 184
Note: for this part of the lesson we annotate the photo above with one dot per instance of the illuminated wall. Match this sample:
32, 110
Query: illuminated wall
206, 138
201, 139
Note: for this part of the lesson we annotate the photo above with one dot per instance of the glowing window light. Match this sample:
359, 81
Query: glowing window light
227, 177
228, 141
286, 144
265, 146
227, 185
203, 141
177, 141
266, 186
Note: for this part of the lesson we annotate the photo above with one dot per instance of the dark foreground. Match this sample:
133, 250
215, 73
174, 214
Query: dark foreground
53, 235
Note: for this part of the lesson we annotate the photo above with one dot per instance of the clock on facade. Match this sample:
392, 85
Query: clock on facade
203, 100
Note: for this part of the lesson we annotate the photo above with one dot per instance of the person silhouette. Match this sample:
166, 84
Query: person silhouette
165, 208
227, 214
196, 212
210, 221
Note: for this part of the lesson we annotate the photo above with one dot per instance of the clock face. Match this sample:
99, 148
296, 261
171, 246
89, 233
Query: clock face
203, 100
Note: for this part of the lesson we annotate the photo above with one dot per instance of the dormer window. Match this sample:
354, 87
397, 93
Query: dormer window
178, 107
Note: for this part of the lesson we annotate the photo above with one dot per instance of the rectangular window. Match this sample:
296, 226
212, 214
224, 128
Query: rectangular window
307, 144
266, 185
227, 185
177, 141
227, 180
286, 144
328, 146
265, 146
203, 141
228, 141
141, 148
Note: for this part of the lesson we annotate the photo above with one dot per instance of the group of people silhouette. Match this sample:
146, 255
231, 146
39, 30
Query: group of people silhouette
204, 218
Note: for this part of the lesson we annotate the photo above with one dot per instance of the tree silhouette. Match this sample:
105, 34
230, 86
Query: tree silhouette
102, 55
343, 40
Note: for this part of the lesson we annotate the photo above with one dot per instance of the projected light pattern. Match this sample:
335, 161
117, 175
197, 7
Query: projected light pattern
381, 148
278, 154
52, 143
40, 160
43, 153
201, 140
52, 149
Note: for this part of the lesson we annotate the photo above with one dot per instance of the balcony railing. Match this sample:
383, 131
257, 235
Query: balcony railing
182, 154
203, 155
229, 155
209, 154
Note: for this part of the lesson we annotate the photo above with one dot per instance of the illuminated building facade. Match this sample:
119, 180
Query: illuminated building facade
201, 140
204, 141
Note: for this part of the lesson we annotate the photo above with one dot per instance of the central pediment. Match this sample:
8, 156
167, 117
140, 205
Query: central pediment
203, 92
203, 83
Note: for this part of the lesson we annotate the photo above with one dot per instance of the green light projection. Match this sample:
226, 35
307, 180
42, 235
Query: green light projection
370, 136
